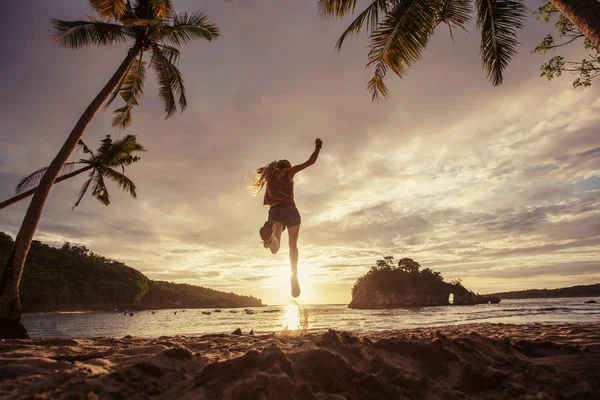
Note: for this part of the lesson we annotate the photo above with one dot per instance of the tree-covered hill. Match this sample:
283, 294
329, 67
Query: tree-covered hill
390, 285
74, 278
573, 291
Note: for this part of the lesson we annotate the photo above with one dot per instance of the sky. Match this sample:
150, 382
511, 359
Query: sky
498, 186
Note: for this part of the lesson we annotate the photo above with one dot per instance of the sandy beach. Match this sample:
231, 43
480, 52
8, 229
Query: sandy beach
478, 361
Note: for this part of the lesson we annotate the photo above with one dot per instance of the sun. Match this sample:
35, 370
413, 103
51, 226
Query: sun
279, 286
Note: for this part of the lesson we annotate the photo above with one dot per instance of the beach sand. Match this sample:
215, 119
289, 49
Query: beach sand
477, 361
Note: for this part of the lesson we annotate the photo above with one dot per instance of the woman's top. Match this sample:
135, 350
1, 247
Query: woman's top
279, 191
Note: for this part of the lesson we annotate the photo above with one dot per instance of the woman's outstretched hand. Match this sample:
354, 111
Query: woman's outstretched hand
318, 143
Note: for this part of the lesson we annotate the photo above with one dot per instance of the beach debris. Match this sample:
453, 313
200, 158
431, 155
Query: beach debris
216, 310
591, 302
206, 312
175, 312
238, 331
251, 332
248, 311
233, 311
131, 314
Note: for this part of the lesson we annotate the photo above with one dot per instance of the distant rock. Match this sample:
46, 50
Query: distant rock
591, 302
238, 331
251, 332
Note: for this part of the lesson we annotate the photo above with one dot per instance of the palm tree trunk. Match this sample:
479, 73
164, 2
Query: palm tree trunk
10, 304
28, 193
585, 14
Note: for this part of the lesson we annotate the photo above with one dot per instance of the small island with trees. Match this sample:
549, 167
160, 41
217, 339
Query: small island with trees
73, 278
405, 284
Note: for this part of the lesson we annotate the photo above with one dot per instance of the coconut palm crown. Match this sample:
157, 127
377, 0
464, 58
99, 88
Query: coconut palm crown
152, 27
400, 30
101, 164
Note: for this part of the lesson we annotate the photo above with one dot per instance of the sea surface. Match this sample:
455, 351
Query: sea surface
304, 318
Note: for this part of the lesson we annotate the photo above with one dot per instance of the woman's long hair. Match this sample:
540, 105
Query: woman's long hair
264, 174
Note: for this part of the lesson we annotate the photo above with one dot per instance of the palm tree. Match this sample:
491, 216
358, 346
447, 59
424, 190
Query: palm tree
151, 26
400, 30
109, 155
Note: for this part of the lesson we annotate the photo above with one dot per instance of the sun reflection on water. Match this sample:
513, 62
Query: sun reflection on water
295, 318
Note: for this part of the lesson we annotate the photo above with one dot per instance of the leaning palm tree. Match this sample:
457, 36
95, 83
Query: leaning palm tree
400, 30
584, 14
152, 27
111, 154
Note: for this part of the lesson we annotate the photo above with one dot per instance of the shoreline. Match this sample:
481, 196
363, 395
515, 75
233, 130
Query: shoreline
484, 360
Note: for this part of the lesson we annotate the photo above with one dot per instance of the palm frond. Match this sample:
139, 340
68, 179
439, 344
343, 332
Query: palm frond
499, 21
100, 192
112, 9
132, 88
186, 28
77, 34
32, 180
335, 8
84, 189
141, 21
124, 182
120, 152
161, 9
170, 82
456, 13
122, 117
400, 39
171, 53
370, 15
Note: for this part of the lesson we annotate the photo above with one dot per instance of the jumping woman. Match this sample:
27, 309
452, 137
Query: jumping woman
277, 178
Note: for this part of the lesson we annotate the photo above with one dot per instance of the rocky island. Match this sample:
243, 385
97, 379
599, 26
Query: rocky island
389, 285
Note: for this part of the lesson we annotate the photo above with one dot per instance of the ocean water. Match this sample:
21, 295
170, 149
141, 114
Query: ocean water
306, 318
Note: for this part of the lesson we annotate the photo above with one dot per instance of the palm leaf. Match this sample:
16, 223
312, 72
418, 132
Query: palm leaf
124, 182
120, 152
400, 39
113, 9
100, 192
33, 179
456, 13
170, 82
185, 29
335, 8
132, 88
84, 189
499, 21
77, 34
370, 15
171, 53
122, 117
161, 8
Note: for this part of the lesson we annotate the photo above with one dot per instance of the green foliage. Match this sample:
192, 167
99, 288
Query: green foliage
111, 154
573, 291
400, 31
75, 278
585, 70
152, 25
387, 277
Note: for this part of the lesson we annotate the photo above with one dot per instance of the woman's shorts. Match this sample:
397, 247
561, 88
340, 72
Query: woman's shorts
287, 214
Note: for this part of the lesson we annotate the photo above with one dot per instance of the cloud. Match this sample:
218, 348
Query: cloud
461, 176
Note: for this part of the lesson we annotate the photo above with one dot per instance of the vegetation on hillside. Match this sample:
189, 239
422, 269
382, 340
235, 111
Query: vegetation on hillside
388, 277
573, 291
75, 278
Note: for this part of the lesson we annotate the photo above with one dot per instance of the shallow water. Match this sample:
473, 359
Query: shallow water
309, 318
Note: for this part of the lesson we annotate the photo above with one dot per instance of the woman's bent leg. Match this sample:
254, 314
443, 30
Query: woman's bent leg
276, 238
